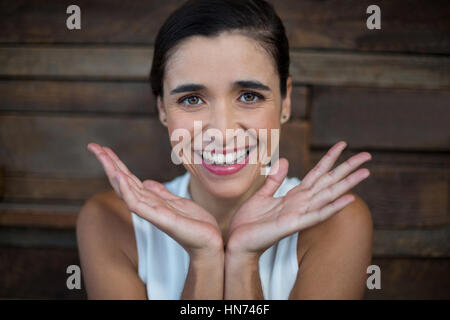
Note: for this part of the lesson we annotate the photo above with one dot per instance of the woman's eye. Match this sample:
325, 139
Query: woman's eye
191, 100
250, 97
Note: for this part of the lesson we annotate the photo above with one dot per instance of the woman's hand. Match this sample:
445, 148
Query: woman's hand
263, 220
190, 225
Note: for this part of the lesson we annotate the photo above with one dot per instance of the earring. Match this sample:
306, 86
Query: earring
284, 116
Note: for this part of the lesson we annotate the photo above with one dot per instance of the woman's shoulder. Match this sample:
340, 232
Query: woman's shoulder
107, 216
351, 224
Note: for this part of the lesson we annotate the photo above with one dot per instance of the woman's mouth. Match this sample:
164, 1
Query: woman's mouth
225, 163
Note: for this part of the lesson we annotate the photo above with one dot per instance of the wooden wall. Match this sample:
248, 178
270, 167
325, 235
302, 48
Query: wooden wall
384, 91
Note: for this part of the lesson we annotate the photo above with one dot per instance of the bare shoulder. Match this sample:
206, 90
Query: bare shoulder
333, 256
107, 249
354, 222
108, 217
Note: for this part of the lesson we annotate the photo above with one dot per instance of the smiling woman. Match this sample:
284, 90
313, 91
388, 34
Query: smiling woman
223, 230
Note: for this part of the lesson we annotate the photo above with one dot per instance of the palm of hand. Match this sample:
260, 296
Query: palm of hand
263, 220
184, 220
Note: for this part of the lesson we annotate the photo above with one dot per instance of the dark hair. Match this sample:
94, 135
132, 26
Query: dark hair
254, 18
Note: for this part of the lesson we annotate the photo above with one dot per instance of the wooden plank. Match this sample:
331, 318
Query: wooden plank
132, 98
42, 237
422, 27
412, 279
376, 70
307, 66
37, 273
45, 157
63, 62
2, 181
404, 190
28, 141
387, 243
410, 243
38, 188
398, 119
112, 22
39, 215
294, 145
400, 278
342, 24
300, 102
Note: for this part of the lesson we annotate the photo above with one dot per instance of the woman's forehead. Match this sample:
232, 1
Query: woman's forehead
222, 59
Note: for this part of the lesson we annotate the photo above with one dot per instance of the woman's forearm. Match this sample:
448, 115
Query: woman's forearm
242, 281
205, 278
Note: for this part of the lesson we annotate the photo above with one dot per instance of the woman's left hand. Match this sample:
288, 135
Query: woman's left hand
263, 219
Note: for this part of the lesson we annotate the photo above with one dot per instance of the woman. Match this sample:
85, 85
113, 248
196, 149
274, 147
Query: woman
223, 230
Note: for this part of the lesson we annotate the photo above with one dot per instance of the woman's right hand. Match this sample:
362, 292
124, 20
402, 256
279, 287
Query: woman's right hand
195, 229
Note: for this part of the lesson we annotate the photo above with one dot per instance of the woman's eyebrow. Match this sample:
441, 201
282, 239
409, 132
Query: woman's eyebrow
250, 84
188, 87
247, 84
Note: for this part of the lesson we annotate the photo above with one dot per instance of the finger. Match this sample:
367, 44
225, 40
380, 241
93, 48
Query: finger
121, 165
323, 166
336, 190
110, 165
106, 162
276, 176
312, 218
143, 205
159, 189
128, 194
341, 171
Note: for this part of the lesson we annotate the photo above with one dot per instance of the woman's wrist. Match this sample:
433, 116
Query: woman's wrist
242, 276
205, 277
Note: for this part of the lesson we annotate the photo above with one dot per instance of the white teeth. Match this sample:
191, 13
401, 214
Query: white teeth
225, 159
229, 158
220, 158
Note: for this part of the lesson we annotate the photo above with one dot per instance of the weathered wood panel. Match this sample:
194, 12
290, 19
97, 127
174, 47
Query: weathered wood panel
400, 278
404, 190
132, 98
27, 141
412, 243
72, 172
387, 243
119, 63
294, 142
412, 279
50, 189
378, 118
37, 273
368, 69
307, 67
420, 27
39, 215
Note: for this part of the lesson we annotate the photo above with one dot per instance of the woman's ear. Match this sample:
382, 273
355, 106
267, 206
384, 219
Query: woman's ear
161, 111
286, 103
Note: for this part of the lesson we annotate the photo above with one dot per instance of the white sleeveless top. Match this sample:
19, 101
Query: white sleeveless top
163, 264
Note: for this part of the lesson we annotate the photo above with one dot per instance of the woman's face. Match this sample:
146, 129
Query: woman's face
235, 95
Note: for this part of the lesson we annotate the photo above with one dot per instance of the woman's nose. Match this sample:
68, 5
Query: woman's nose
222, 118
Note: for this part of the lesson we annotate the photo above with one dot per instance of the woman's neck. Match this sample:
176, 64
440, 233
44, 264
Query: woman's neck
222, 209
